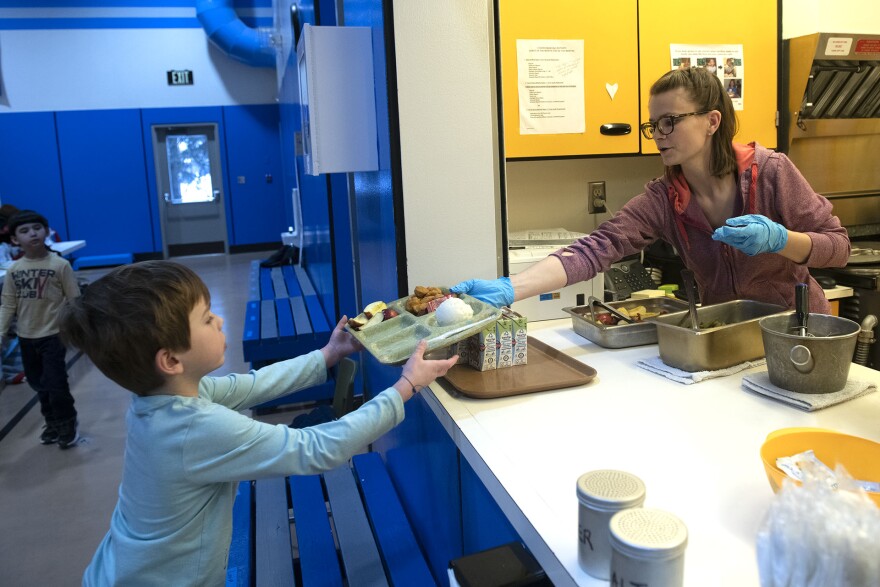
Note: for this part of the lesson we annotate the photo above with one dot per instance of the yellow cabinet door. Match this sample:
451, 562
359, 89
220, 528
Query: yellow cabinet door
750, 23
608, 30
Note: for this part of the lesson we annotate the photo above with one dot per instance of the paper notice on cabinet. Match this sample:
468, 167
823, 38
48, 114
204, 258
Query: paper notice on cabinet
725, 61
551, 86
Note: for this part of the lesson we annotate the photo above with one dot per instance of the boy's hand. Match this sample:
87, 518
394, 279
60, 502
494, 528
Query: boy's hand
419, 373
341, 344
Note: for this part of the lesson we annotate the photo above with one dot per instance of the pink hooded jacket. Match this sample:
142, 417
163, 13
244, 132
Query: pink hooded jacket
769, 184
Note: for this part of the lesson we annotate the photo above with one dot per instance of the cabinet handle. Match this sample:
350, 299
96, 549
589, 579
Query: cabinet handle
615, 129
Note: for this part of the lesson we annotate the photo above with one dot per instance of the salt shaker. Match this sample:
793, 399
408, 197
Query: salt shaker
601, 494
647, 548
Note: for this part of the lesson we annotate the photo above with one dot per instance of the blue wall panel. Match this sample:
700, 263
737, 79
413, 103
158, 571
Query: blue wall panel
315, 199
423, 463
254, 152
30, 176
483, 523
105, 184
160, 116
342, 240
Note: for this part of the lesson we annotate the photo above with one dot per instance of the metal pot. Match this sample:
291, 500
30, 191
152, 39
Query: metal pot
816, 363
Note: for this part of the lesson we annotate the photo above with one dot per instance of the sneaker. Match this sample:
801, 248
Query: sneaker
68, 435
49, 435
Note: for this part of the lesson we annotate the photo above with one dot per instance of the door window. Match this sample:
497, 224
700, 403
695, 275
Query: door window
189, 168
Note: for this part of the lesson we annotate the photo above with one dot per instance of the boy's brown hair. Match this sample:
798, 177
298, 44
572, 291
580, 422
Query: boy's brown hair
124, 318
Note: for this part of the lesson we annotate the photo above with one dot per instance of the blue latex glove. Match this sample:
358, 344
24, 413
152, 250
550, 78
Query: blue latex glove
498, 292
753, 234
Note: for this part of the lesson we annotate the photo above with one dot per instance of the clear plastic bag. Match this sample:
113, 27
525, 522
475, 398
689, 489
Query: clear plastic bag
817, 536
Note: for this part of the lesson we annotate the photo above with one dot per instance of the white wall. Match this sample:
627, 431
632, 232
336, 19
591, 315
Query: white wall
95, 69
553, 193
449, 139
805, 17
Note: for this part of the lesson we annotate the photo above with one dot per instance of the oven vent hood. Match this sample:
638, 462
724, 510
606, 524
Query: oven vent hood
831, 125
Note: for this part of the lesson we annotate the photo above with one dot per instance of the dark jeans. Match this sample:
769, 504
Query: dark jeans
46, 371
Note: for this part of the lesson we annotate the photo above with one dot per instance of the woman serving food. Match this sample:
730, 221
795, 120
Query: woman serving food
741, 217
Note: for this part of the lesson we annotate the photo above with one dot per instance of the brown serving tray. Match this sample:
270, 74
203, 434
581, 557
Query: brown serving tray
547, 369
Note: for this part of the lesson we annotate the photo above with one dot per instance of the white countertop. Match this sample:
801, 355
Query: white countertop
837, 292
696, 447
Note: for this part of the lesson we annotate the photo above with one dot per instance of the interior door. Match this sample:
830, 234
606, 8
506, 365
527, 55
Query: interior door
189, 178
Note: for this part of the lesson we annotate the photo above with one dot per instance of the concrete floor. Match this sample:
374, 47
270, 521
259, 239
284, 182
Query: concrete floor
55, 505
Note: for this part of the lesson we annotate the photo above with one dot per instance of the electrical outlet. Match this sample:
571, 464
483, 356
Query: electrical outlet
596, 198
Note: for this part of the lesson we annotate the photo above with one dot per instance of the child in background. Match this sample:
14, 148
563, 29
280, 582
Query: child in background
149, 327
8, 251
35, 287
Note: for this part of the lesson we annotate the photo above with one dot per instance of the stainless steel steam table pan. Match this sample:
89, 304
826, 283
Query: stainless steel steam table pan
624, 334
730, 336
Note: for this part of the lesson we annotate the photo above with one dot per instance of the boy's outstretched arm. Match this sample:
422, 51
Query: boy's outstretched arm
341, 344
419, 372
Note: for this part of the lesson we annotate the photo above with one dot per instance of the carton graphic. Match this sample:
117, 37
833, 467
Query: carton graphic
482, 352
504, 335
519, 328
463, 350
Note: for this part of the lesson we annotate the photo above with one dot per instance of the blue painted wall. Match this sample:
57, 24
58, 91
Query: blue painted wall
75, 136
104, 179
31, 175
92, 173
257, 214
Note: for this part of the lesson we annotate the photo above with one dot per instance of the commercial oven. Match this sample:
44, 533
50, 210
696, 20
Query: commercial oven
830, 129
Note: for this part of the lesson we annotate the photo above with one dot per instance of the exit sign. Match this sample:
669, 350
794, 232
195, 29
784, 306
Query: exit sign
180, 77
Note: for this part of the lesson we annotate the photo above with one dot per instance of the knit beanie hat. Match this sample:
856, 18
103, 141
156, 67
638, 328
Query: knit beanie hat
26, 217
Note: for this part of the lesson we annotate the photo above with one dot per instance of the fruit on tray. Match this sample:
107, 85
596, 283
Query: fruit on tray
373, 314
637, 314
374, 308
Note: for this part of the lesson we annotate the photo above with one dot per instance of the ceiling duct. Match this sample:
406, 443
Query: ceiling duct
237, 40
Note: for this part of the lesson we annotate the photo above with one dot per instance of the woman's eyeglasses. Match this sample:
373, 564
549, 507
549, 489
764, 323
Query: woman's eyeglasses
666, 124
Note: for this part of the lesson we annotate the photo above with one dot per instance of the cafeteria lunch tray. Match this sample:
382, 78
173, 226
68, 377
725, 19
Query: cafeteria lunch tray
548, 368
392, 341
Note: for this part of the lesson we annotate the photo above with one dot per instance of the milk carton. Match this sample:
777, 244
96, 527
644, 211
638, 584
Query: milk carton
482, 352
462, 349
519, 329
504, 336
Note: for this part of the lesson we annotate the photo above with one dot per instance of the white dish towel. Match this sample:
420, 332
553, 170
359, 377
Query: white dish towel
808, 402
655, 365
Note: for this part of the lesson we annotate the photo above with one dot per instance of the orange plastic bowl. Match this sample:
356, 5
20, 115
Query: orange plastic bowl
860, 456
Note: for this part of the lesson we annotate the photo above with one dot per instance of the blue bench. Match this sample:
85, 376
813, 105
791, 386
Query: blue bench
349, 524
103, 261
284, 317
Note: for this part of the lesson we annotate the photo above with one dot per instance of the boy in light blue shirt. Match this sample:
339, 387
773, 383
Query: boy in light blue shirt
149, 327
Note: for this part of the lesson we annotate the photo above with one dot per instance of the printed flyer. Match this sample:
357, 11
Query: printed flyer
725, 61
550, 83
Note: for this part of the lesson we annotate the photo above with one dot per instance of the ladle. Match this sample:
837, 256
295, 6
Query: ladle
802, 307
690, 289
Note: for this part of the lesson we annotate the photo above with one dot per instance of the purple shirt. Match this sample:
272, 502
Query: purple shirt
722, 272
